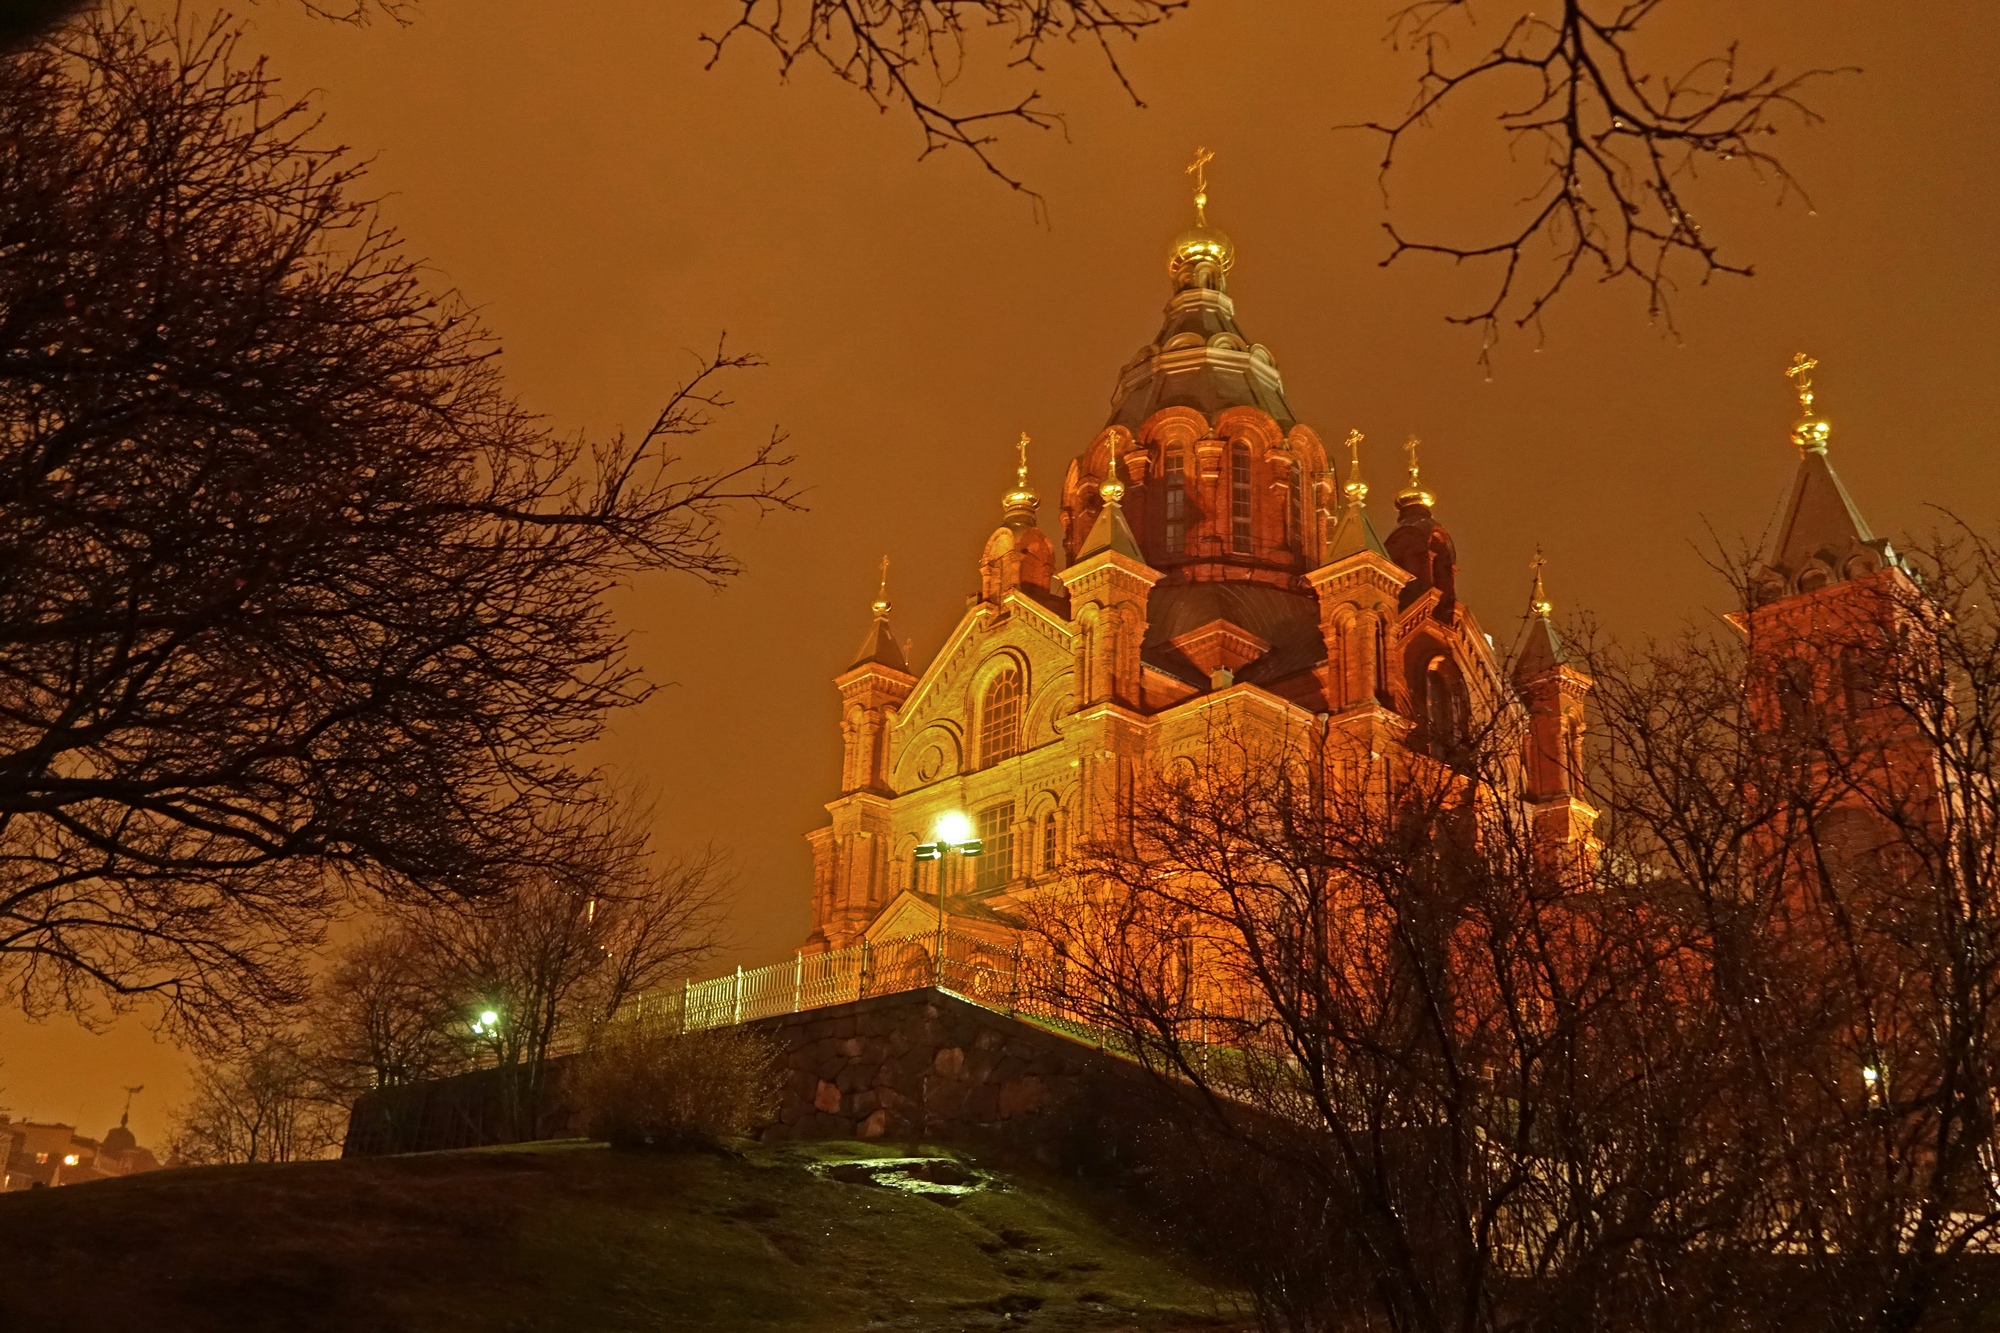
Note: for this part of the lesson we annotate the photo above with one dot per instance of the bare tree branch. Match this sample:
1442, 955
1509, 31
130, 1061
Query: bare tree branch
1621, 145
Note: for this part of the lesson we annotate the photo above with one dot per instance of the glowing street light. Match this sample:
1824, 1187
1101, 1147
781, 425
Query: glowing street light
487, 1024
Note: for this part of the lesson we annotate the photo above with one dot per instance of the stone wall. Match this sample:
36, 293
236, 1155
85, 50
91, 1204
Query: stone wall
913, 1065
928, 1065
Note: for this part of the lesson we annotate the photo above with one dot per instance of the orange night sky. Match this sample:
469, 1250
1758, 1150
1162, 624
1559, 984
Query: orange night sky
607, 204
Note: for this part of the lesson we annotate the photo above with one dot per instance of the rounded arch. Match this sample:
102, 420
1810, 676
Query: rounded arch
937, 752
997, 706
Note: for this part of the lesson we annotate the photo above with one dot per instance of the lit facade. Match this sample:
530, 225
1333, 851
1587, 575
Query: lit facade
1219, 572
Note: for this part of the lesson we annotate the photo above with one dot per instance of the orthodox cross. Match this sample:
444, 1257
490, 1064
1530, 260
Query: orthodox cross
1199, 170
1800, 373
1540, 600
882, 596
1022, 471
1356, 489
1410, 448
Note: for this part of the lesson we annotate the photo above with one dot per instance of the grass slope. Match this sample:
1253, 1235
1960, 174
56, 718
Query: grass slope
575, 1237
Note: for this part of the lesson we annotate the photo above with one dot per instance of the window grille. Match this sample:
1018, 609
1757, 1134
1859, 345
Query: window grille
1239, 496
1000, 719
1176, 503
995, 863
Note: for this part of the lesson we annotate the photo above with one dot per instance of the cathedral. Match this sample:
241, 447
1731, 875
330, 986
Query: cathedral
1220, 570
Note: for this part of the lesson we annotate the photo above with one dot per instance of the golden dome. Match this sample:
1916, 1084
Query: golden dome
1200, 242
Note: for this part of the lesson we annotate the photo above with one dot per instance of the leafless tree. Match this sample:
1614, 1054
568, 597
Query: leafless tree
378, 1021
1619, 139
1829, 800
562, 952
263, 1105
294, 599
907, 53
1619, 143
1486, 1080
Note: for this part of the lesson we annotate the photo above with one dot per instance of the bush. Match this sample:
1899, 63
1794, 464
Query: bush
643, 1083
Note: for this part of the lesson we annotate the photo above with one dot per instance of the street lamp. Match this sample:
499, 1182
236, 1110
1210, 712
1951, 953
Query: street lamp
952, 833
487, 1024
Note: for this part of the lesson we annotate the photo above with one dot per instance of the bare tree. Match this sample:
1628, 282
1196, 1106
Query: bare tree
265, 1104
532, 971
294, 599
1618, 141
379, 1022
907, 53
1825, 788
1485, 1083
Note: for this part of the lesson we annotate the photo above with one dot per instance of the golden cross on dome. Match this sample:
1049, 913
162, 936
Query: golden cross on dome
882, 596
1800, 373
1199, 170
1540, 600
1022, 471
1410, 451
1113, 490
1356, 489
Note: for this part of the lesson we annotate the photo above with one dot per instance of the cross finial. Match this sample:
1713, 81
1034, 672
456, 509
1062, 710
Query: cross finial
1199, 170
882, 595
1811, 433
1022, 471
1539, 602
1356, 490
1113, 490
1414, 493
1800, 374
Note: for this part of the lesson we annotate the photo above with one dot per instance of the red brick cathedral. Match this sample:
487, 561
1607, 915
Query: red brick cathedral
1216, 573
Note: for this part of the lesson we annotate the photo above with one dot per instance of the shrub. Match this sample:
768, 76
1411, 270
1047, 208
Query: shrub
643, 1083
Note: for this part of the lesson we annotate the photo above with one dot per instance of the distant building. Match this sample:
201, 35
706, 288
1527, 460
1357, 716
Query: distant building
40, 1155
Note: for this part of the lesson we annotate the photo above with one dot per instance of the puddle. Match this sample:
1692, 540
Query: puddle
939, 1179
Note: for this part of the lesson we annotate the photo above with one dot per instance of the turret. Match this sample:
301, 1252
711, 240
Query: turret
871, 691
1358, 588
1108, 587
1420, 544
1552, 692
1018, 554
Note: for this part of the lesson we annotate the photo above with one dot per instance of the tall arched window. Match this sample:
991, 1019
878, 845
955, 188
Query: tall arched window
1000, 719
1239, 496
1176, 503
1051, 852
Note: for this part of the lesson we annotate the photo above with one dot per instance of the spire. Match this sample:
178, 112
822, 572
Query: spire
1541, 648
1414, 493
1353, 533
1821, 537
880, 647
1111, 532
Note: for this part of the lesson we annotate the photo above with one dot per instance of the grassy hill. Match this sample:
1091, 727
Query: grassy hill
574, 1237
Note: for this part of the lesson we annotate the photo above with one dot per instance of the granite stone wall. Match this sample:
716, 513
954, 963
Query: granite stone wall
913, 1065
928, 1065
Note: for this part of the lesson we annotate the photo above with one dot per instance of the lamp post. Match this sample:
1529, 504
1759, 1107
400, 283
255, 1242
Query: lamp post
952, 834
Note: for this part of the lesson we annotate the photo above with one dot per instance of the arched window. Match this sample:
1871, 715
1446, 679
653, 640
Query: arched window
1176, 503
1239, 496
994, 865
1051, 851
1000, 719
